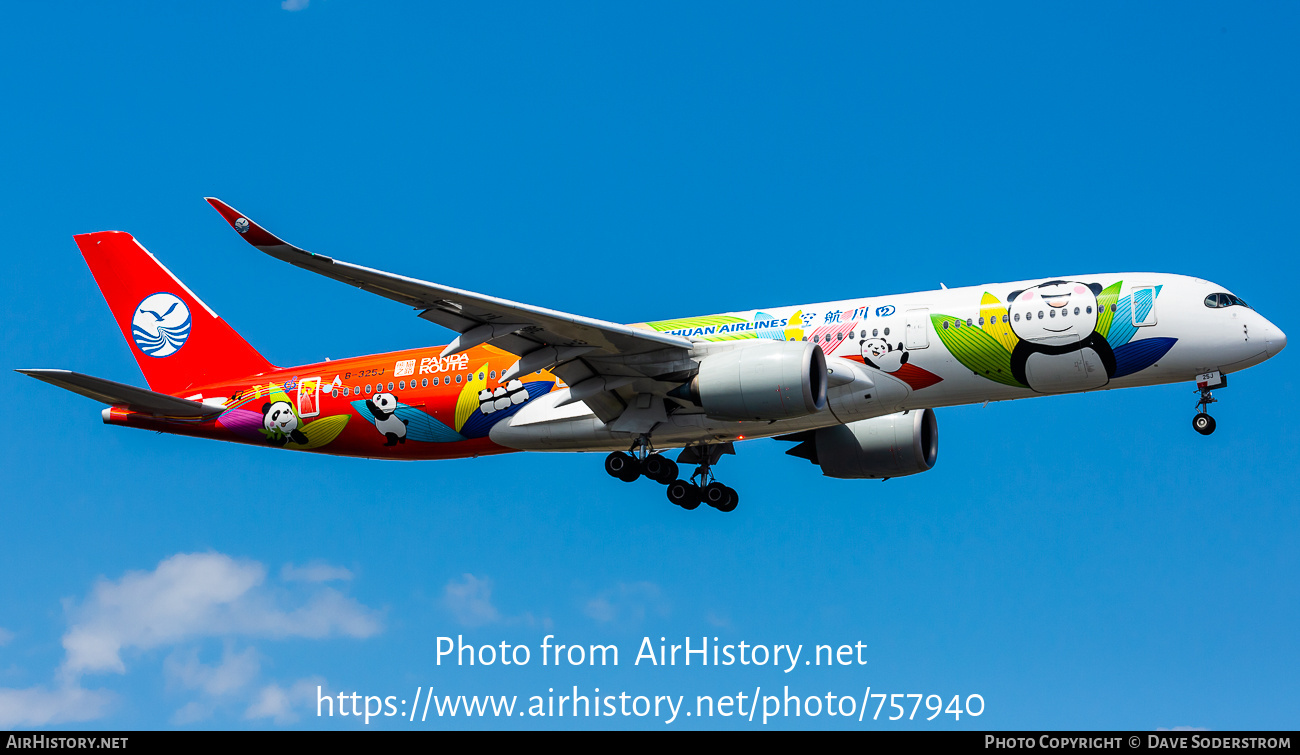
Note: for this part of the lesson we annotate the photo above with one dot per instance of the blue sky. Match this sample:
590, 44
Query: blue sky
1079, 562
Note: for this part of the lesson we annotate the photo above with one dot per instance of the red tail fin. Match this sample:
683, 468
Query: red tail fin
176, 339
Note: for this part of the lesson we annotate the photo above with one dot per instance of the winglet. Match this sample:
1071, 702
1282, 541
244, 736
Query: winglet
252, 232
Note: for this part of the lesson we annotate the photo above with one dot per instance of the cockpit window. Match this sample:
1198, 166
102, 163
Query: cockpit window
1214, 301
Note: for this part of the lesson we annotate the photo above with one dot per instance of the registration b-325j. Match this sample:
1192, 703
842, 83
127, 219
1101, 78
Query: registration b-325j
853, 384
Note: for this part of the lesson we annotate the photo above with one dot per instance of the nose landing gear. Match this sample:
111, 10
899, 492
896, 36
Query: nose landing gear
1202, 422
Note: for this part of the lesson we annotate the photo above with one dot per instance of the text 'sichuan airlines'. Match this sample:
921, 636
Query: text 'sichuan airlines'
852, 383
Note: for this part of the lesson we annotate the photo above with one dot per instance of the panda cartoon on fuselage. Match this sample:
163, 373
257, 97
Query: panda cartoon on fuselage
876, 352
382, 406
281, 423
1053, 322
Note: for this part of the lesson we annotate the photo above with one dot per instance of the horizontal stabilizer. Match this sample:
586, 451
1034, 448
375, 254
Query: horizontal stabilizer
121, 394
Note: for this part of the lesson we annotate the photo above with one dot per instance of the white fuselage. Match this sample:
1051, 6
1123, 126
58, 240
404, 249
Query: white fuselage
954, 346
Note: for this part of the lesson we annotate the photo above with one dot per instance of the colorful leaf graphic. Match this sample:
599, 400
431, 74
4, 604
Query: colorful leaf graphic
794, 327
1108, 296
467, 402
1136, 356
479, 423
980, 352
242, 422
320, 432
916, 377
994, 310
419, 425
694, 322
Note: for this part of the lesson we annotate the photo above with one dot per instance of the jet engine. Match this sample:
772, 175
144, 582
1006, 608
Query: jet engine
894, 445
763, 381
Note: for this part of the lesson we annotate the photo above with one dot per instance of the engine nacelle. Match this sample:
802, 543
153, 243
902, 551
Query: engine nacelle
895, 445
762, 381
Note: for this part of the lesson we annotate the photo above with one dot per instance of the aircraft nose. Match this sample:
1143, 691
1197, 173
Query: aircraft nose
1275, 339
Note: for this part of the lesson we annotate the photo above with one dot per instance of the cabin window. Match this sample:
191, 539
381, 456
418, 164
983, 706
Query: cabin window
390, 386
886, 331
1053, 313
493, 374
945, 324
401, 384
335, 393
367, 388
875, 332
457, 378
982, 322
424, 383
1112, 307
480, 377
1017, 317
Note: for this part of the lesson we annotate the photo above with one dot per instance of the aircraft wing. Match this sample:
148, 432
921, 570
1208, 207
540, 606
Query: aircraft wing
577, 349
120, 394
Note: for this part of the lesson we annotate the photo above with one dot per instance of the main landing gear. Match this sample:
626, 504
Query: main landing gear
643, 461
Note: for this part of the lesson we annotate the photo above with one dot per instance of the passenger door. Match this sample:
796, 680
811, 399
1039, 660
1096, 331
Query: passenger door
1144, 306
918, 329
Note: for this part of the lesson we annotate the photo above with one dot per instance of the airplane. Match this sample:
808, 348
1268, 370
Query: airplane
853, 384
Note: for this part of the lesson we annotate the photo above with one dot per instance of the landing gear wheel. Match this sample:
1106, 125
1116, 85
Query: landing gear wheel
718, 495
1203, 423
721, 497
625, 467
683, 494
659, 469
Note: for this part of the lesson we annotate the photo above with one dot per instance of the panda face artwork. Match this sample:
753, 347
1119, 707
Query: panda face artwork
393, 428
511, 394
279, 417
878, 353
384, 404
1056, 313
281, 423
1060, 350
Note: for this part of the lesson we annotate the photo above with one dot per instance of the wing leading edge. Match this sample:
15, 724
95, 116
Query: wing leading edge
600, 360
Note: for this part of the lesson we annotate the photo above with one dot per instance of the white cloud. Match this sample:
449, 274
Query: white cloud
294, 4
470, 601
232, 673
277, 703
316, 571
195, 595
627, 603
38, 706
717, 619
